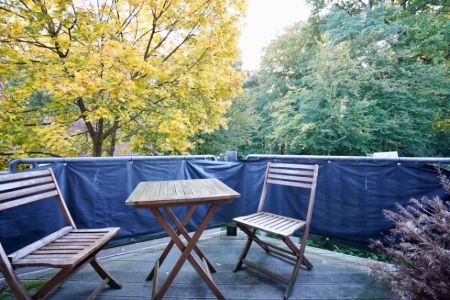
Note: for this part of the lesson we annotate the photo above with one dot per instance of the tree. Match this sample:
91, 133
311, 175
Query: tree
238, 134
283, 66
364, 93
80, 77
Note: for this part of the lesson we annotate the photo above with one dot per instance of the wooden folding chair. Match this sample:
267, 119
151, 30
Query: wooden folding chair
293, 175
68, 249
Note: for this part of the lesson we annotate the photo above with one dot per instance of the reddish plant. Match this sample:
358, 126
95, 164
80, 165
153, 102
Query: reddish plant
419, 244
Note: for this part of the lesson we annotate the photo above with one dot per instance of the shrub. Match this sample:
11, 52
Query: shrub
419, 247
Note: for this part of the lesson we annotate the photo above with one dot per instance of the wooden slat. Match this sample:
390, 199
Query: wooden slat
271, 214
286, 223
293, 166
74, 242
48, 256
253, 216
27, 191
292, 172
22, 175
56, 251
178, 188
79, 238
267, 229
24, 183
225, 188
163, 190
56, 262
39, 244
181, 192
90, 230
84, 235
171, 192
262, 220
257, 218
186, 188
214, 188
26, 200
273, 223
289, 183
204, 186
98, 243
196, 189
62, 247
289, 177
150, 188
138, 191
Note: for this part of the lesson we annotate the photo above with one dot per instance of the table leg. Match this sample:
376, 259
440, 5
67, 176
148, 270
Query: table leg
182, 229
186, 252
169, 246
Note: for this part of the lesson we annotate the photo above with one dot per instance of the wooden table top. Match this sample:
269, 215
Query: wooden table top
180, 192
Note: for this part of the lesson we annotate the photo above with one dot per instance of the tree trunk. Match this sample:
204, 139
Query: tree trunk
97, 141
112, 145
97, 148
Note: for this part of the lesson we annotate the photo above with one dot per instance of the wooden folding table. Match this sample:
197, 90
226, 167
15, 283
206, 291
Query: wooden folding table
157, 195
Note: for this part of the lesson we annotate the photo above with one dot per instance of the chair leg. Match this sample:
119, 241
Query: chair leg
243, 254
11, 277
14, 284
113, 283
293, 279
307, 263
55, 282
297, 252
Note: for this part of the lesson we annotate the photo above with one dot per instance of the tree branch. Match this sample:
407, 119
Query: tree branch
186, 38
80, 103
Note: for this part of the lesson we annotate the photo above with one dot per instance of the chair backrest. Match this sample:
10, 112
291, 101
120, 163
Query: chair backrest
22, 188
294, 175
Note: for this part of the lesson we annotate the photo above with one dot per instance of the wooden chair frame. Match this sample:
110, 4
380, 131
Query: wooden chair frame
294, 175
76, 248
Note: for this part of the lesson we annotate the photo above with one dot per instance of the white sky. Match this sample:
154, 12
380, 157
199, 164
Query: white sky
265, 20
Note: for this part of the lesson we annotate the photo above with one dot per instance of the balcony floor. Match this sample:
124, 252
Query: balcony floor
335, 276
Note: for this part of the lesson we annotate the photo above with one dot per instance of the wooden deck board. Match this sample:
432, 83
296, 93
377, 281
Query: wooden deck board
335, 276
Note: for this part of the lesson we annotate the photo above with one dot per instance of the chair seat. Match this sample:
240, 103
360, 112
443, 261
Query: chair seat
68, 248
271, 223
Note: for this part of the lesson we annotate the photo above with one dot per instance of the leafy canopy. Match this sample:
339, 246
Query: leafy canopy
84, 76
358, 77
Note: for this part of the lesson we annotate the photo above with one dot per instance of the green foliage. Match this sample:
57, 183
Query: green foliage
359, 252
325, 243
358, 77
236, 134
362, 94
6, 293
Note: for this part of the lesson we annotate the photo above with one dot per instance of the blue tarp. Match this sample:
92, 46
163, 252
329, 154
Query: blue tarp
351, 195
